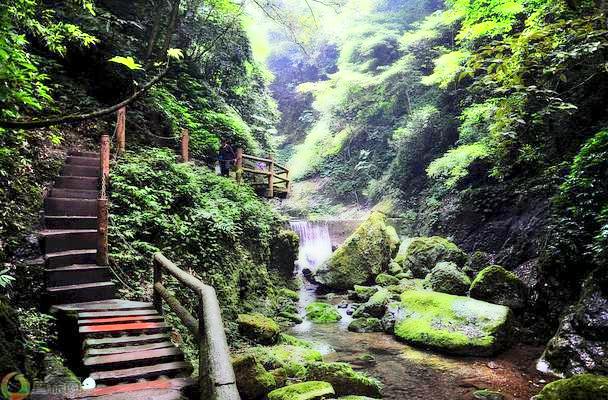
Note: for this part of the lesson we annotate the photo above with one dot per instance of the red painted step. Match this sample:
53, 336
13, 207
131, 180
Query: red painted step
156, 389
70, 257
135, 374
114, 320
68, 239
138, 359
125, 340
70, 222
76, 182
80, 170
149, 327
77, 274
72, 207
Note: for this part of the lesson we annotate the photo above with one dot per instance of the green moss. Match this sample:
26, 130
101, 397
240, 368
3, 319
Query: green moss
487, 395
253, 380
322, 313
363, 293
365, 254
258, 328
285, 244
375, 306
344, 379
294, 341
580, 387
291, 358
302, 391
497, 285
365, 325
445, 277
289, 294
386, 280
424, 253
453, 324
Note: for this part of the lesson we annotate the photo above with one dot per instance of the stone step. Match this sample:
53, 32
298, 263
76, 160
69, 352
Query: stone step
159, 389
74, 194
127, 349
115, 320
171, 369
76, 182
138, 327
70, 257
111, 314
70, 222
79, 170
77, 274
105, 305
77, 160
88, 154
126, 340
58, 240
70, 207
81, 293
129, 360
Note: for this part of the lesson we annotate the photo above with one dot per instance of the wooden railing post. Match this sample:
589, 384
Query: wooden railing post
120, 129
239, 165
271, 178
102, 202
185, 144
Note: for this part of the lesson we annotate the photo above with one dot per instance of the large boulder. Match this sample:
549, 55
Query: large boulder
303, 391
581, 342
284, 251
452, 324
363, 293
344, 379
499, 286
258, 328
423, 253
447, 278
365, 254
252, 379
290, 359
322, 313
386, 280
580, 387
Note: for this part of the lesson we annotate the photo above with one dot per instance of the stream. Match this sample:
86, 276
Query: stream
406, 372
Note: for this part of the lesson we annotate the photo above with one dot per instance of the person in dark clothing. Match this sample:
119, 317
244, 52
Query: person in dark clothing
226, 157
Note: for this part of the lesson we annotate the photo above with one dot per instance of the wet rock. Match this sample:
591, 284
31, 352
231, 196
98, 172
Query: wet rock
390, 317
499, 286
344, 379
292, 317
302, 391
258, 328
363, 293
343, 304
352, 308
487, 395
445, 277
424, 253
581, 342
365, 325
452, 324
253, 381
284, 251
386, 280
365, 254
476, 262
375, 306
395, 268
580, 387
322, 313
404, 275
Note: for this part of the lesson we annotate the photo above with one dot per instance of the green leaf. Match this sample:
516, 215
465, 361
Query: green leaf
175, 54
128, 62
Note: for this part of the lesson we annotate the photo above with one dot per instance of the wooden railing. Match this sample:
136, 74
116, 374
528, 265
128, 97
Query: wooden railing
274, 176
216, 376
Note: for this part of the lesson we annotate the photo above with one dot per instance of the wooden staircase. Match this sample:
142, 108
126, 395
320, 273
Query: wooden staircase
126, 347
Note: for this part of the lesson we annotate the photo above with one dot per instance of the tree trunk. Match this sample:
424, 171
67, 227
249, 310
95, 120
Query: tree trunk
154, 31
171, 27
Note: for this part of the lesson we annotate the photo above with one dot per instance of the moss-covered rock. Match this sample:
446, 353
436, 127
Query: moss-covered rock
390, 317
404, 275
487, 395
285, 245
363, 293
344, 379
365, 325
365, 254
322, 313
292, 359
395, 268
580, 387
452, 324
292, 317
445, 277
424, 253
476, 262
499, 286
289, 294
386, 280
302, 391
375, 306
258, 328
252, 379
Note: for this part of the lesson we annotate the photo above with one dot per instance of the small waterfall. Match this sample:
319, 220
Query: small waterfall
315, 248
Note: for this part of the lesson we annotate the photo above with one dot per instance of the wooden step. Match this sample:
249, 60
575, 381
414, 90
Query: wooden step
71, 257
58, 240
87, 154
159, 389
70, 222
71, 207
115, 320
74, 193
77, 160
148, 372
105, 305
91, 343
139, 327
119, 313
77, 182
77, 274
130, 360
80, 170
127, 349
80, 293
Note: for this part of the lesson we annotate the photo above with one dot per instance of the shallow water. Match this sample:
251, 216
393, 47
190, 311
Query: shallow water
408, 373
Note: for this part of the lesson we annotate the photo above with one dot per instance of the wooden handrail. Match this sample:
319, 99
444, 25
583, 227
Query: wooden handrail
273, 173
102, 202
216, 375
